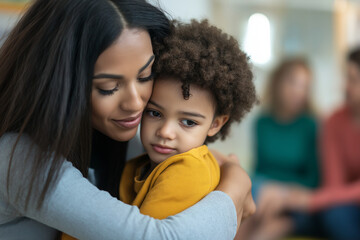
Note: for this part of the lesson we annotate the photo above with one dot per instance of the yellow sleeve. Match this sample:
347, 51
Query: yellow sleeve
178, 187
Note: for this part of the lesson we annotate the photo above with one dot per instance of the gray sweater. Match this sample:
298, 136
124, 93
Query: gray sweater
77, 207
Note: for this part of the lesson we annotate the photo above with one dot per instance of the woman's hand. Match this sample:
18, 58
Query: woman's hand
221, 158
236, 183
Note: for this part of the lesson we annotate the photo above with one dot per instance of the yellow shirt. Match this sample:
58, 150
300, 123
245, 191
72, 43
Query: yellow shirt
173, 186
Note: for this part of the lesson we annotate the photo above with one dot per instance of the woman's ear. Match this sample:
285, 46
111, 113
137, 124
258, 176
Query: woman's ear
217, 124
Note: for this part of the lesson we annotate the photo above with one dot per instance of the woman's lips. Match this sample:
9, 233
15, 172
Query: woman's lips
162, 149
129, 122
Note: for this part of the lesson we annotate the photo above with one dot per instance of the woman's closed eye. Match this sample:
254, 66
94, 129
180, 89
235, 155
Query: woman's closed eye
109, 92
145, 79
188, 123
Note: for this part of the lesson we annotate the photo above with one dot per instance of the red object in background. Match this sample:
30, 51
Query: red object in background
340, 162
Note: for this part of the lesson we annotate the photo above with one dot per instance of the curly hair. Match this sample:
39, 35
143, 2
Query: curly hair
202, 55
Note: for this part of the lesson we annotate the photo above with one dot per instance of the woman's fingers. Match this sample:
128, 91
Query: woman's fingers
233, 158
222, 158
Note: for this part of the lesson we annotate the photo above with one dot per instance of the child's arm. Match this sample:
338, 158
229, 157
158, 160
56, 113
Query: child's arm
179, 186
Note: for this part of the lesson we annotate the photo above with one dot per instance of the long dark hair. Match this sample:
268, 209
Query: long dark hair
46, 64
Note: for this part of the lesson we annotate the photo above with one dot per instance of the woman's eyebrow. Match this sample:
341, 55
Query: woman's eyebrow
106, 75
119, 77
151, 59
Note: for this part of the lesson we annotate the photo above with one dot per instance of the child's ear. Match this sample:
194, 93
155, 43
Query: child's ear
217, 124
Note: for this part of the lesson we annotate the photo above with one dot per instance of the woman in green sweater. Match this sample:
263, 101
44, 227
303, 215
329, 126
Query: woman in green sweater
286, 152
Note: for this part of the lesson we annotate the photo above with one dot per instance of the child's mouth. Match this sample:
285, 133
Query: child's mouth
162, 149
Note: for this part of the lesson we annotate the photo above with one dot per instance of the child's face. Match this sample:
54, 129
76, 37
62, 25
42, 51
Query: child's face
172, 125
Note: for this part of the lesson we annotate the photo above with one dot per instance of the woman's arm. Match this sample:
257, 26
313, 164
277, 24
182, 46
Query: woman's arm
81, 210
78, 208
235, 182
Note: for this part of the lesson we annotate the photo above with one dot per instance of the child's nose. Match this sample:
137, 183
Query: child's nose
167, 131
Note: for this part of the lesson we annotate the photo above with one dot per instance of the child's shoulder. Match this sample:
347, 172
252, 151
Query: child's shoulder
196, 154
194, 160
196, 167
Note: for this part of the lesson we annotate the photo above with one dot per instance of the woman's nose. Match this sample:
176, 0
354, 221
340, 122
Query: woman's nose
132, 100
166, 131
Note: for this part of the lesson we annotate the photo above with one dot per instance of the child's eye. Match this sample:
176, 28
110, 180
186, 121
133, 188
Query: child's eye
153, 113
188, 123
107, 92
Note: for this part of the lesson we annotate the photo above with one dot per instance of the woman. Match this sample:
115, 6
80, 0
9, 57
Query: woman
71, 67
339, 196
286, 155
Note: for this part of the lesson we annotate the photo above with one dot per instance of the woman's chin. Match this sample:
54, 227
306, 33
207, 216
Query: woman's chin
124, 135
120, 135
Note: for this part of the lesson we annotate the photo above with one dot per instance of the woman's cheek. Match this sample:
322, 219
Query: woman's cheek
102, 105
146, 90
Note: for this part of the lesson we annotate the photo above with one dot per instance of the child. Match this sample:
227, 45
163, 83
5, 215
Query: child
203, 84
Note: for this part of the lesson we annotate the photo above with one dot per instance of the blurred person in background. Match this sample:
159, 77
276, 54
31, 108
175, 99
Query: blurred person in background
339, 196
286, 153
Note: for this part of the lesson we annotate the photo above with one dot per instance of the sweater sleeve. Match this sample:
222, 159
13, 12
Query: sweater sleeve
334, 189
76, 207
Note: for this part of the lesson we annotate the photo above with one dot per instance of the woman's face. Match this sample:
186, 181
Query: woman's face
353, 85
294, 90
122, 85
